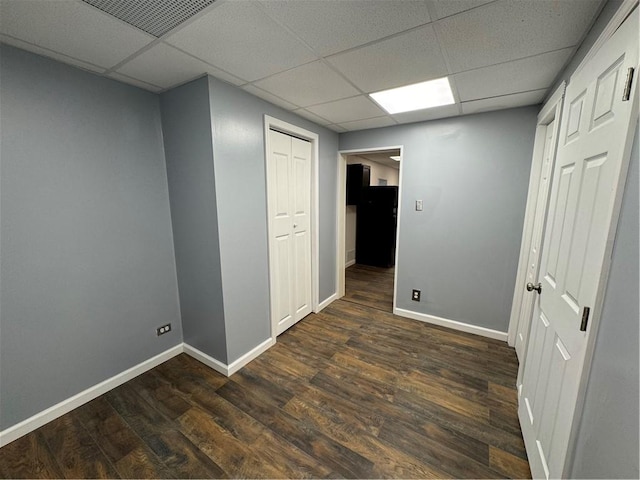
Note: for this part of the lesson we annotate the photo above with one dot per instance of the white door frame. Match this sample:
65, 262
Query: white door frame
341, 220
551, 110
272, 123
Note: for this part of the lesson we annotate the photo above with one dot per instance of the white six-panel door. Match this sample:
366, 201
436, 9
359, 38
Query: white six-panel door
593, 150
289, 190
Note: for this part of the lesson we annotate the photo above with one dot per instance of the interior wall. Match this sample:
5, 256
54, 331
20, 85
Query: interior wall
239, 157
188, 142
87, 270
607, 444
378, 171
471, 173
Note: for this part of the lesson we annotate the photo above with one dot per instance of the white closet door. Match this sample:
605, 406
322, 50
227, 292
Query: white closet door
289, 190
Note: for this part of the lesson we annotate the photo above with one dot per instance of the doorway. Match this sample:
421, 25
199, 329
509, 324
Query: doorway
368, 214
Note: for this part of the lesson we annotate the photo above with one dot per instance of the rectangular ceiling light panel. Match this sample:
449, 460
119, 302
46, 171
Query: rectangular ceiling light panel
418, 96
155, 17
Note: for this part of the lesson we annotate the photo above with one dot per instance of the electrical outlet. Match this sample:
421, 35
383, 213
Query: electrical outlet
163, 329
415, 295
418, 205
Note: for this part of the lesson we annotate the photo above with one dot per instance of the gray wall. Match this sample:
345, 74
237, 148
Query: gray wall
186, 124
607, 445
87, 265
472, 174
238, 125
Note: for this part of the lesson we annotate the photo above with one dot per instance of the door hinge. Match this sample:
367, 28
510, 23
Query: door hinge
626, 93
585, 319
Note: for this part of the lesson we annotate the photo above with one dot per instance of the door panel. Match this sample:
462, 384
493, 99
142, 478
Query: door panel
283, 284
301, 153
526, 309
585, 193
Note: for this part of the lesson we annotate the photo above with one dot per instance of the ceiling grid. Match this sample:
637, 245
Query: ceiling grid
317, 58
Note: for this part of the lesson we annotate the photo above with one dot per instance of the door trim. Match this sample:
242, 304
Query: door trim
272, 123
551, 110
341, 217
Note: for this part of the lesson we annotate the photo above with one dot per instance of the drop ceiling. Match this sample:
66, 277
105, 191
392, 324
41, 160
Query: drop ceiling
317, 58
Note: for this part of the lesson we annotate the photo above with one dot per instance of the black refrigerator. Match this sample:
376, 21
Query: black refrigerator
376, 222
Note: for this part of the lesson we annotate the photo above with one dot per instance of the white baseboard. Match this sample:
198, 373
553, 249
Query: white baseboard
233, 367
453, 324
39, 419
208, 360
59, 409
325, 303
349, 263
250, 355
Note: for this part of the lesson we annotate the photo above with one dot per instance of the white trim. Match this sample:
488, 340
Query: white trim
350, 262
208, 360
341, 194
250, 355
39, 419
341, 219
616, 20
452, 324
314, 138
326, 302
399, 212
59, 409
550, 106
233, 367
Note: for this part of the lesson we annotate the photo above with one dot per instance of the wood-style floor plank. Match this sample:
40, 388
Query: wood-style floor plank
76, 453
29, 457
351, 392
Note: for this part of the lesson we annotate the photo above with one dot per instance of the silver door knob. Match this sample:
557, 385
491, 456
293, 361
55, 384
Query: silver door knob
531, 287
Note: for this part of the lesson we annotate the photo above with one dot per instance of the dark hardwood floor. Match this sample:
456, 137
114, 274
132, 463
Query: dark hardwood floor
352, 392
370, 286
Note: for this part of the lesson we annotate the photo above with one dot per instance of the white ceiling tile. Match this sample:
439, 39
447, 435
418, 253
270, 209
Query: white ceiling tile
428, 114
532, 73
309, 84
132, 81
312, 116
51, 54
72, 28
166, 66
331, 26
508, 30
258, 92
368, 123
408, 58
446, 8
506, 101
355, 108
238, 37
337, 128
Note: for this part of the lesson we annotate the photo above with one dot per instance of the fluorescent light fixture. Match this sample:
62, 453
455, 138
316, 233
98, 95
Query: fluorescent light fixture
396, 158
418, 96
